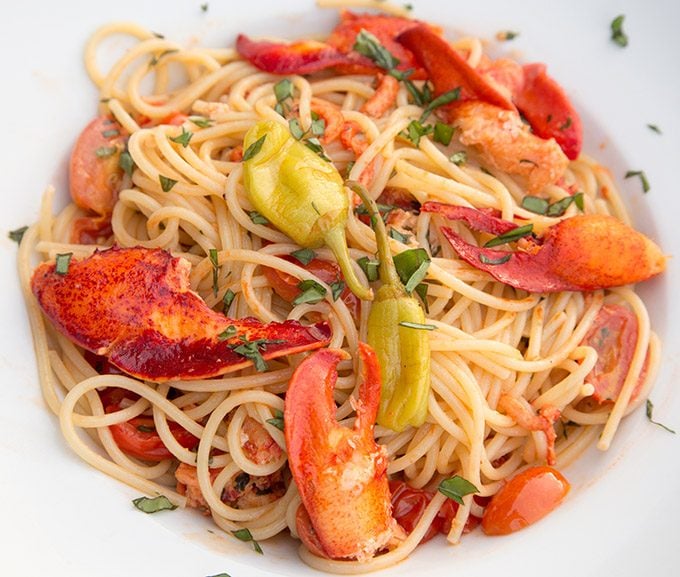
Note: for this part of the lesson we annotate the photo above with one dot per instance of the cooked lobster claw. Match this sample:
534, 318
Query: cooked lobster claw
341, 473
581, 253
135, 306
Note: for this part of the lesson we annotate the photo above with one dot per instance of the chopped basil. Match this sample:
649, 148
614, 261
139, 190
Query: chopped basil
412, 268
219, 574
257, 218
146, 429
315, 146
368, 45
295, 129
62, 263
643, 178
245, 535
511, 235
105, 151
418, 326
459, 158
166, 183
304, 255
539, 205
618, 35
396, 235
318, 127
650, 411
204, 7
370, 268
254, 148
228, 298
416, 130
110, 133
277, 420
126, 163
456, 488
337, 289
201, 121
283, 90
312, 292
251, 351
408, 7
654, 128
500, 260
535, 204
443, 133
215, 268
227, 333
17, 234
160, 503
420, 97
441, 100
383, 209
183, 138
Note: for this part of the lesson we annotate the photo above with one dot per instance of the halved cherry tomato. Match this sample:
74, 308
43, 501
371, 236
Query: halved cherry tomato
613, 335
94, 174
286, 286
138, 437
408, 505
525, 499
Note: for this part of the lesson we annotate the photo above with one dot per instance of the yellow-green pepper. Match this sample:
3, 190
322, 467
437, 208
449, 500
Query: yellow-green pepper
395, 331
300, 193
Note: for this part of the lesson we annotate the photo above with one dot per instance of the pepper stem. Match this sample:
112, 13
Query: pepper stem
387, 270
336, 240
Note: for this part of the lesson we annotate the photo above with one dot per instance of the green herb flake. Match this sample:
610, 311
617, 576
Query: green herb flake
283, 90
112, 132
643, 178
459, 158
277, 420
214, 260
228, 298
535, 204
494, 261
146, 429
315, 146
441, 100
254, 148
166, 183
160, 503
511, 235
17, 234
417, 326
126, 163
318, 127
251, 350
219, 574
650, 415
184, 138
443, 133
654, 128
618, 35
312, 292
337, 288
105, 151
399, 236
368, 45
228, 333
296, 129
420, 97
204, 7
579, 202
412, 268
370, 268
505, 35
245, 535
201, 121
257, 218
559, 207
62, 263
416, 130
456, 488
304, 255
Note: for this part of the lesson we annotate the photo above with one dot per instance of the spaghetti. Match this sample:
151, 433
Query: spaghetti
491, 342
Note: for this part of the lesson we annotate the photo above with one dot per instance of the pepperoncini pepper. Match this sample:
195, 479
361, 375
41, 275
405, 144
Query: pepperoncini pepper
395, 331
300, 193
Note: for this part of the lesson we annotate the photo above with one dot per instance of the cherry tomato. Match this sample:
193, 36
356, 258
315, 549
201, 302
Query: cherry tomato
613, 335
138, 437
94, 174
286, 286
525, 499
